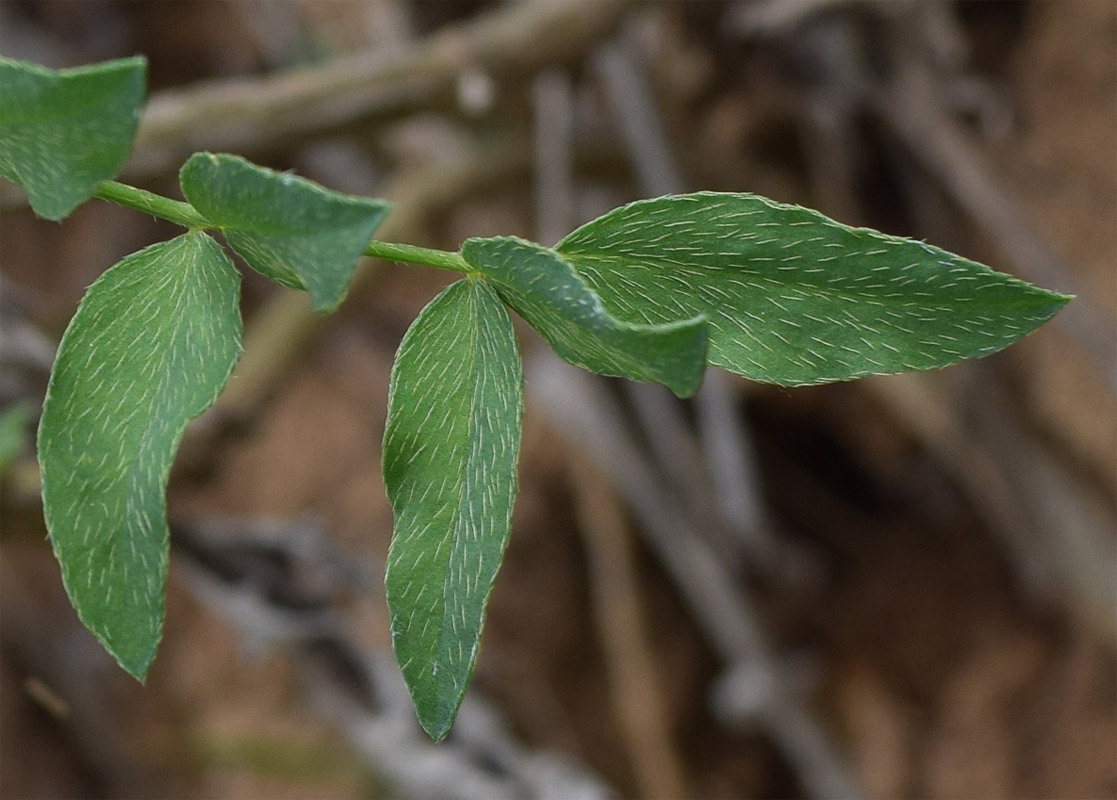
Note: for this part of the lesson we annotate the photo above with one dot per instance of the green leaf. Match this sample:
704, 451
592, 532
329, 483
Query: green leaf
290, 229
149, 349
64, 132
450, 446
795, 298
545, 290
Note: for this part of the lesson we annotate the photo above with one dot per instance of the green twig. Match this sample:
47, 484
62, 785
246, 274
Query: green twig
186, 215
150, 203
440, 259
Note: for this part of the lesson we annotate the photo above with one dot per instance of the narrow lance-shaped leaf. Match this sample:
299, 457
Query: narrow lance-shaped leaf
793, 297
544, 289
288, 228
150, 347
64, 132
450, 449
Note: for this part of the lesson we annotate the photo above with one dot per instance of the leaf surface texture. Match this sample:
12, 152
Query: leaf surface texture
64, 132
546, 291
288, 228
793, 297
449, 460
150, 347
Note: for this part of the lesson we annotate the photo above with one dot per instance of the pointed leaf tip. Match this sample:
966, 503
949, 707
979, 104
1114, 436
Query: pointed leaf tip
451, 443
150, 347
796, 298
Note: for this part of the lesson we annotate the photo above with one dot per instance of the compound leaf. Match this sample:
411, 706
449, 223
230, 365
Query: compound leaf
64, 132
288, 228
546, 291
793, 297
150, 347
450, 447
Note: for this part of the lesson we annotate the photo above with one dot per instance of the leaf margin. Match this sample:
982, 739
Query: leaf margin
130, 90
573, 307
108, 631
573, 248
258, 235
436, 709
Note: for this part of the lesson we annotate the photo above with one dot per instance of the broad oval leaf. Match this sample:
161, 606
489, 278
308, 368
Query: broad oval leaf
450, 447
149, 349
546, 291
793, 297
288, 228
64, 132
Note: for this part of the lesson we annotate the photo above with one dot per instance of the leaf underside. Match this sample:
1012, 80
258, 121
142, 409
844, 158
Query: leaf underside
546, 291
449, 461
150, 347
288, 228
793, 297
64, 132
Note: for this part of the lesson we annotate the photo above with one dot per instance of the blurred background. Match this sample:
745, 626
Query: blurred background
903, 586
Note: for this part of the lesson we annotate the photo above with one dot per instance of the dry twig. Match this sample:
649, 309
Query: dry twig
230, 568
753, 689
621, 627
252, 115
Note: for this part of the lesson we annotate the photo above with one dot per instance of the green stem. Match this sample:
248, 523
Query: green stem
150, 203
186, 215
439, 259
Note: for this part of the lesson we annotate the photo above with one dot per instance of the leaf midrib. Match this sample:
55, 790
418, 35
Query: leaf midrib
462, 494
1039, 300
188, 265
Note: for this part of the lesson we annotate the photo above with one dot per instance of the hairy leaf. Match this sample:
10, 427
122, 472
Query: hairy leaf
795, 298
544, 289
150, 347
288, 228
64, 132
450, 448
